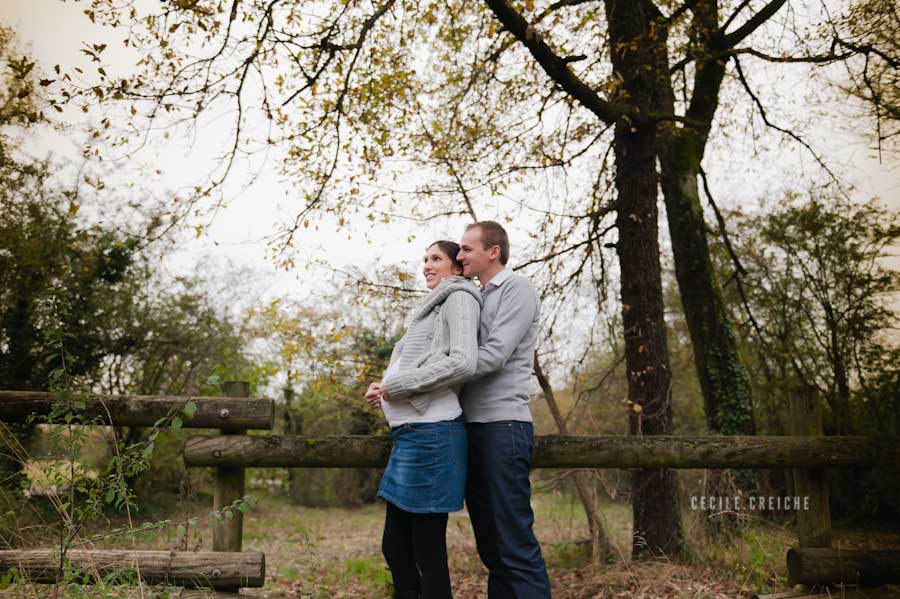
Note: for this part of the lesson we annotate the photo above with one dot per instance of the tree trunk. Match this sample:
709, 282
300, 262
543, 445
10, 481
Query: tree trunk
840, 399
600, 547
657, 520
724, 380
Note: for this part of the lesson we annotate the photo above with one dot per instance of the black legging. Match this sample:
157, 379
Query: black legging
415, 547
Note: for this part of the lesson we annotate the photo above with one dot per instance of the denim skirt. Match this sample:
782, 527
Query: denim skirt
426, 472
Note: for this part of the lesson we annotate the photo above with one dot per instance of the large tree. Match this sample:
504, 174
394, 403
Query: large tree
456, 105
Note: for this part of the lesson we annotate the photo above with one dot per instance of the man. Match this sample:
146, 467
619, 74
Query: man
498, 419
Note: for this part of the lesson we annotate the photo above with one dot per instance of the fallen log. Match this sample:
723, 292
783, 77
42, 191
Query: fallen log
199, 569
553, 451
836, 593
782, 595
815, 565
145, 410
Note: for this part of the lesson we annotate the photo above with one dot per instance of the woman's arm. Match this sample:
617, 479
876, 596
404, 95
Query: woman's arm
462, 312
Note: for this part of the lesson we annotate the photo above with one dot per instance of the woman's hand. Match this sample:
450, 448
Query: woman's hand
384, 392
373, 395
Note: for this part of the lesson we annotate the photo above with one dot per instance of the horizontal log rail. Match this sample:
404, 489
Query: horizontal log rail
145, 410
200, 569
663, 451
822, 565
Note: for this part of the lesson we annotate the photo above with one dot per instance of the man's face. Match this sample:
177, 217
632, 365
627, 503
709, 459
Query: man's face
476, 260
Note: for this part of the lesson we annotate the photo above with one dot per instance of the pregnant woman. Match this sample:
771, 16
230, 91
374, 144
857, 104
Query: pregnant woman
425, 477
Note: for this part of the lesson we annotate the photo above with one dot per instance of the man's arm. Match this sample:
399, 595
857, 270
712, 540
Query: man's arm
462, 312
518, 309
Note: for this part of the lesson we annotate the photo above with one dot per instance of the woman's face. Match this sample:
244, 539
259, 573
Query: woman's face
437, 266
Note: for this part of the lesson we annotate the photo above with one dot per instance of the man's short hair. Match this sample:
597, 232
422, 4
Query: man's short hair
492, 233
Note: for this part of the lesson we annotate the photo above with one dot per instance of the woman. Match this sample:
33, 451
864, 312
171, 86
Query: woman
426, 475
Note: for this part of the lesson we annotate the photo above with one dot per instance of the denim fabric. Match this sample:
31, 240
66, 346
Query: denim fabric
498, 497
427, 468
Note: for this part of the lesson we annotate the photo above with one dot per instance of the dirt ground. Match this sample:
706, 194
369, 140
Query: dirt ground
325, 553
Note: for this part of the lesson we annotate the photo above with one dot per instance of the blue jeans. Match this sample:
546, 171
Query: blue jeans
498, 497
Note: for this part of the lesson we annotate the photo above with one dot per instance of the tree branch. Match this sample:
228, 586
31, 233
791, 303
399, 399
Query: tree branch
689, 5
739, 268
556, 66
753, 23
765, 118
810, 59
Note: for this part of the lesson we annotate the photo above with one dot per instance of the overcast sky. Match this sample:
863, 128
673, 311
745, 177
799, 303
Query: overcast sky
53, 31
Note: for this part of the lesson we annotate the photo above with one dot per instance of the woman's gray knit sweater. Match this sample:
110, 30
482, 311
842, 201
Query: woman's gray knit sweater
439, 350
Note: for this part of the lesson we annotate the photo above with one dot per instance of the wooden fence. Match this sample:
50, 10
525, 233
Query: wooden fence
806, 452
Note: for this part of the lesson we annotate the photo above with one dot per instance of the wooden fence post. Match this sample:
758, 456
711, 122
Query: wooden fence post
228, 534
814, 524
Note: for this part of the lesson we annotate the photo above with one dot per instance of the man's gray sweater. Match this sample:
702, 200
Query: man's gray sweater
510, 318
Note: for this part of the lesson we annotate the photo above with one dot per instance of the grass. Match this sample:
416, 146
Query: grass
319, 553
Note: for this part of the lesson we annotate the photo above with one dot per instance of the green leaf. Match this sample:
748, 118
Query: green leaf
180, 530
176, 424
213, 380
190, 408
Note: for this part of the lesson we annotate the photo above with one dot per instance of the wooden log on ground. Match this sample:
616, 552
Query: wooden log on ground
781, 595
179, 568
818, 565
145, 410
612, 451
836, 593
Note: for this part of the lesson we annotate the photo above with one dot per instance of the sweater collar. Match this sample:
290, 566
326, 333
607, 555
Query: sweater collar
440, 293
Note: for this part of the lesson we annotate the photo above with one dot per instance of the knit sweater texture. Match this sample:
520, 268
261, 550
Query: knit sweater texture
438, 352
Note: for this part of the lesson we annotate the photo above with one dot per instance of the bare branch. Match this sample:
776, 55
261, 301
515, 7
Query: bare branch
811, 59
739, 268
765, 118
